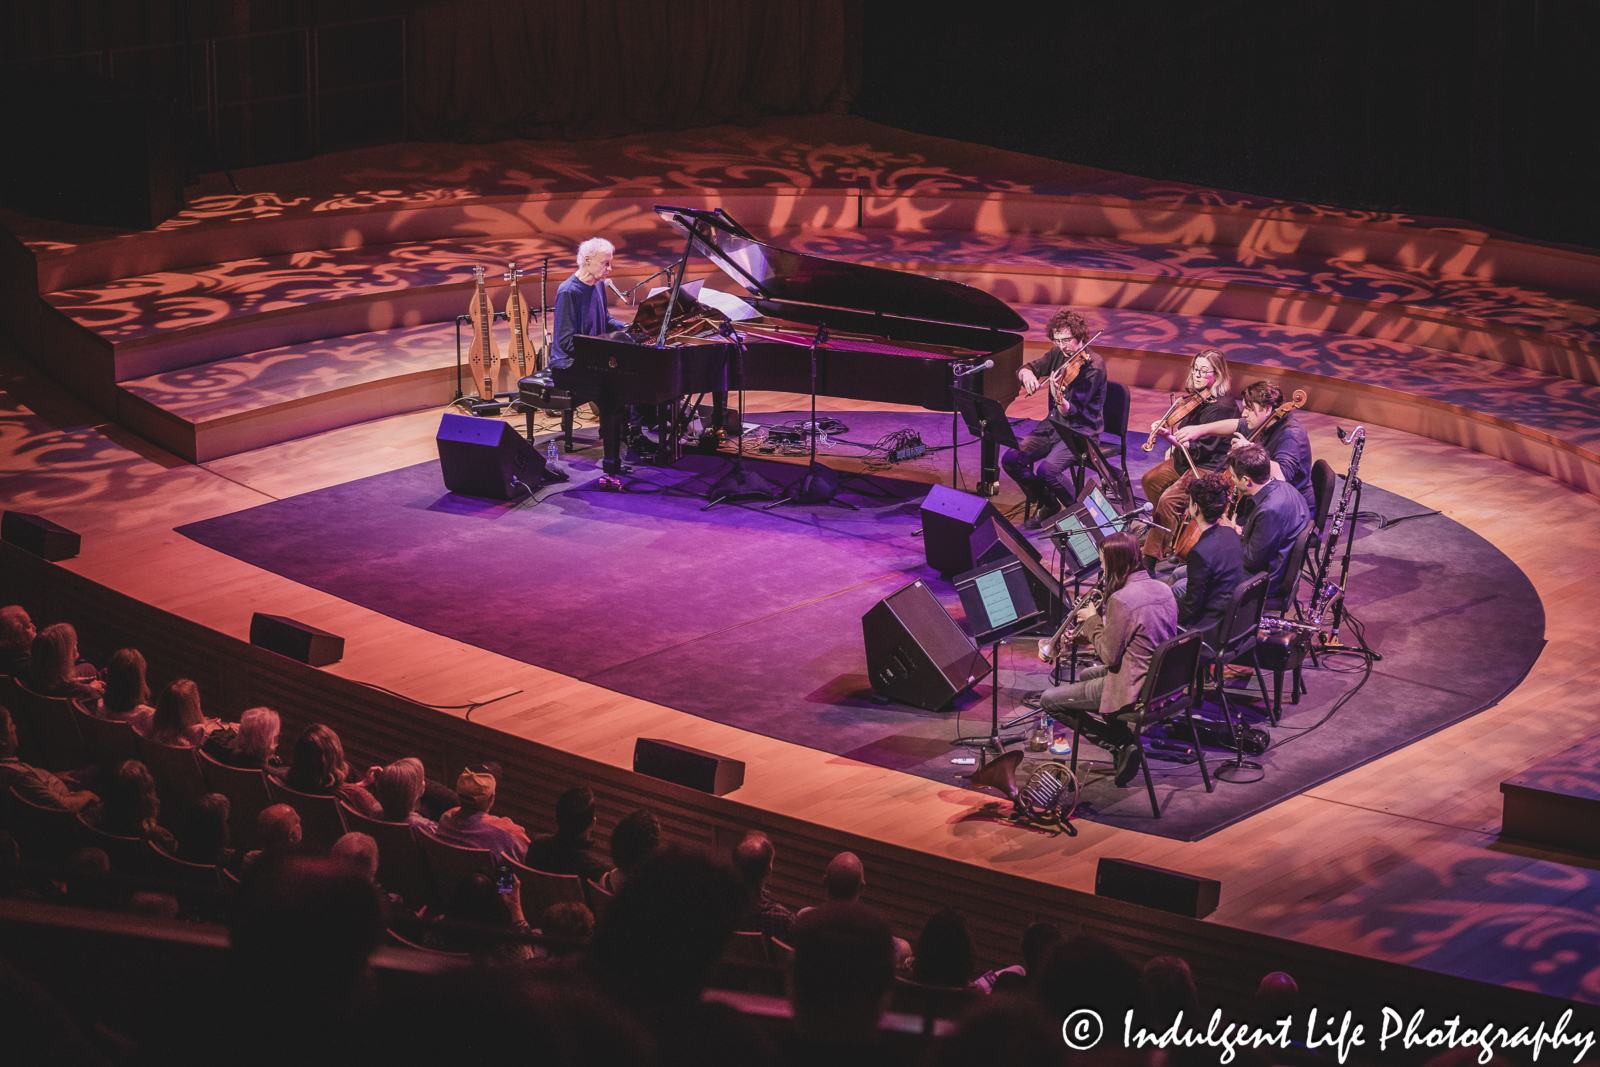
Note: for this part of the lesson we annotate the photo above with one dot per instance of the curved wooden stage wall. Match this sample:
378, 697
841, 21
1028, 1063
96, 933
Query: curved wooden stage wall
1381, 863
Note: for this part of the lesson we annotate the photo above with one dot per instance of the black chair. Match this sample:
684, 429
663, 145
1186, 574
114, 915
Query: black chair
1236, 640
1171, 688
110, 741
1281, 651
1118, 408
1323, 481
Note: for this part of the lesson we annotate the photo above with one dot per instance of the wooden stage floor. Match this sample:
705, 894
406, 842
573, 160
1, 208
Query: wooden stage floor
1398, 860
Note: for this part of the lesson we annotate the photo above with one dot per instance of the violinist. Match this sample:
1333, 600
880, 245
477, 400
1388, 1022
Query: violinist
1284, 439
1166, 485
1076, 379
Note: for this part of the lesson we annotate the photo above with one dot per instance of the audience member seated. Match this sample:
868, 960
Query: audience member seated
16, 639
471, 825
1169, 989
88, 882
1086, 971
1014, 1030
839, 986
277, 830
1277, 997
844, 881
752, 858
944, 954
205, 832
654, 948
130, 805
252, 746
397, 789
1036, 941
177, 720
319, 769
361, 852
490, 920
570, 850
53, 667
636, 837
127, 696
35, 784
569, 927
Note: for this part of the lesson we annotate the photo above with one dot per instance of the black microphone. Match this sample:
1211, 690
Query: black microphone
1143, 509
822, 335
962, 372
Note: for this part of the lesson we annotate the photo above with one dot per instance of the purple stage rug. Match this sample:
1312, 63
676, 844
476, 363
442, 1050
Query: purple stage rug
753, 617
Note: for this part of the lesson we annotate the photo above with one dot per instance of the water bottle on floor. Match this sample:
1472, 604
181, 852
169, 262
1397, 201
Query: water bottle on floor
550, 449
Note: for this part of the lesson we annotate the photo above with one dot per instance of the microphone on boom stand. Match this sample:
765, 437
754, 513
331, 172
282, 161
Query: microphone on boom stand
740, 481
821, 483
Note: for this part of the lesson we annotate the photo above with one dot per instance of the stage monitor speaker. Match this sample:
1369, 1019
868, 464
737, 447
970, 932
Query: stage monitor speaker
286, 637
39, 536
949, 518
487, 458
1157, 887
916, 653
996, 540
672, 762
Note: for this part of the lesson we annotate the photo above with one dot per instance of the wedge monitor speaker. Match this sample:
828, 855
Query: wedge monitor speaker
949, 519
1157, 887
297, 640
672, 762
39, 536
487, 458
916, 653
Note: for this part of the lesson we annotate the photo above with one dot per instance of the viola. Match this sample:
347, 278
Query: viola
1181, 408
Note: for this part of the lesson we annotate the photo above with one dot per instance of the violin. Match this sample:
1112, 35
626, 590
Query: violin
1294, 403
1064, 375
1180, 409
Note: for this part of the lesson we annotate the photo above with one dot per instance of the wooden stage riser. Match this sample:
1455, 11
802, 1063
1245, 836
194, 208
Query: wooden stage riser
1523, 445
907, 885
231, 435
628, 210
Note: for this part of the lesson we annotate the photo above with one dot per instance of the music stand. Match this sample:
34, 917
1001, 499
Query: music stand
998, 600
1086, 450
986, 420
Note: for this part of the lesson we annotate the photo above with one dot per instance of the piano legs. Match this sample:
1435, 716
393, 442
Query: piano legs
989, 478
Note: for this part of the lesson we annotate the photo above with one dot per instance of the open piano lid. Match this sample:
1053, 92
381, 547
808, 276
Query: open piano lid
796, 278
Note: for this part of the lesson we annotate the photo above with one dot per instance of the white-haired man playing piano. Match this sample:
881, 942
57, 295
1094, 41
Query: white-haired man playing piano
580, 308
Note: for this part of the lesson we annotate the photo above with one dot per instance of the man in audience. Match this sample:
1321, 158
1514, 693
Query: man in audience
471, 825
277, 830
570, 850
35, 784
1036, 940
16, 639
844, 881
752, 858
843, 971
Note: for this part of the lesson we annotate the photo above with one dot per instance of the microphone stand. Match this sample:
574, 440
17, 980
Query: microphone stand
739, 481
820, 484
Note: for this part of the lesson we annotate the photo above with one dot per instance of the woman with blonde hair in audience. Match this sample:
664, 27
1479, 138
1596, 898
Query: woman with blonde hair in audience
253, 745
53, 667
397, 789
130, 806
127, 694
178, 720
319, 768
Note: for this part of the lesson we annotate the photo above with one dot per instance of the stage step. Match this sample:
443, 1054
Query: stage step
1556, 804
264, 398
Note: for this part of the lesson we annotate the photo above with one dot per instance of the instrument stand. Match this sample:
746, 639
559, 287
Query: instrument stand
1234, 770
821, 483
740, 481
1332, 643
482, 405
994, 740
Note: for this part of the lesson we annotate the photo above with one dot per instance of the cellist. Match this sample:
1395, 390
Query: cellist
1041, 465
1166, 485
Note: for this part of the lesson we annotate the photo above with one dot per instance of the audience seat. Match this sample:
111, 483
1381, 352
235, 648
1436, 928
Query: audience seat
247, 795
129, 855
541, 889
747, 946
321, 822
932, 1002
181, 873
599, 897
449, 864
109, 741
176, 769
27, 745
54, 731
401, 866
44, 835
401, 942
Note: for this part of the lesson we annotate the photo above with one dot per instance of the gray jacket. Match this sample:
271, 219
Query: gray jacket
1138, 617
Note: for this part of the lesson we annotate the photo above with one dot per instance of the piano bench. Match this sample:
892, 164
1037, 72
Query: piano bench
538, 394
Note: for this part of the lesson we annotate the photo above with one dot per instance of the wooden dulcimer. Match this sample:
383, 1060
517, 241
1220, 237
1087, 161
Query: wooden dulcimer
523, 357
485, 358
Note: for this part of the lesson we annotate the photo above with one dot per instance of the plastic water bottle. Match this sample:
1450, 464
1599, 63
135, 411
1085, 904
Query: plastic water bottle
550, 449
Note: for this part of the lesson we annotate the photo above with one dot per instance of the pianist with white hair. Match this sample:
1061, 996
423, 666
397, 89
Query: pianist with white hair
581, 301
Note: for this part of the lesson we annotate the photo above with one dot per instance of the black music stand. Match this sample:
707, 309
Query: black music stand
998, 600
740, 481
1086, 450
986, 420
820, 484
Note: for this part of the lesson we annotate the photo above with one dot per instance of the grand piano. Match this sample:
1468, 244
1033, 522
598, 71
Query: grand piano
894, 336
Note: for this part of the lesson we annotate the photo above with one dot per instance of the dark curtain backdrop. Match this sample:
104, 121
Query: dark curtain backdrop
487, 69
1475, 109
